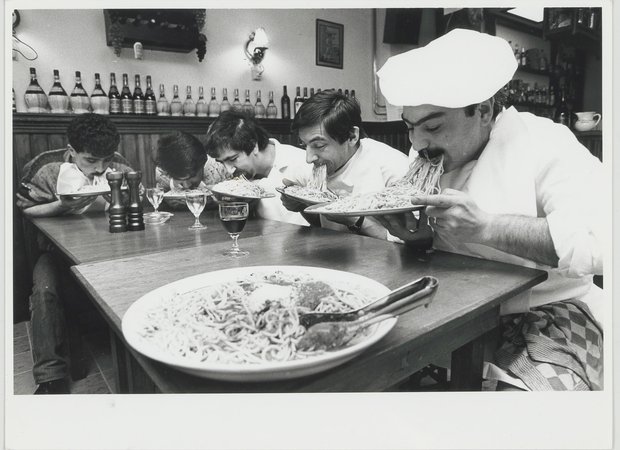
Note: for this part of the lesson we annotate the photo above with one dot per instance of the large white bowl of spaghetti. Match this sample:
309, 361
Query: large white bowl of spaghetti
242, 324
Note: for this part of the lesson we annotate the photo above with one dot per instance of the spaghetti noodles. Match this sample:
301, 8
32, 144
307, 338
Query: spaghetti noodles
253, 320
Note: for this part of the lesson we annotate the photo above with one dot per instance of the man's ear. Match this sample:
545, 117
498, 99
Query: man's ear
354, 135
486, 111
72, 151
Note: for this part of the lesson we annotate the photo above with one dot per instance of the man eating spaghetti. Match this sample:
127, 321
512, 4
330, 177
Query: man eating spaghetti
509, 192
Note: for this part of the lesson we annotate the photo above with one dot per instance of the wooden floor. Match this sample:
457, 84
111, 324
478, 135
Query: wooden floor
99, 379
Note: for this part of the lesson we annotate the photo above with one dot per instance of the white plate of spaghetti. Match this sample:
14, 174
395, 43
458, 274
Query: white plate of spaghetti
180, 193
90, 191
307, 195
239, 189
242, 324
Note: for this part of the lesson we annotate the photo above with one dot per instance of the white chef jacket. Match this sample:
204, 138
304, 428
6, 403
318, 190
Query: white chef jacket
534, 167
373, 166
287, 158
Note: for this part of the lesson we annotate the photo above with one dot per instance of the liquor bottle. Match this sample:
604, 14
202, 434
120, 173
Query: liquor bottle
236, 105
126, 99
298, 101
247, 105
139, 106
79, 98
272, 110
225, 106
311, 92
551, 96
259, 108
201, 105
163, 107
150, 102
14, 106
523, 57
214, 106
114, 96
36, 100
305, 94
346, 92
176, 106
99, 99
189, 107
353, 94
285, 102
563, 113
58, 98
517, 53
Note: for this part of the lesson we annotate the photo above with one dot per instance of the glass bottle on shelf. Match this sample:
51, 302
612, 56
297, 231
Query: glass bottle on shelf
79, 98
517, 53
225, 106
189, 107
247, 104
163, 107
58, 98
201, 104
138, 98
150, 102
551, 100
311, 92
176, 106
563, 113
99, 99
305, 94
14, 106
214, 106
298, 101
353, 94
285, 102
236, 105
126, 98
259, 108
36, 100
114, 96
272, 110
523, 57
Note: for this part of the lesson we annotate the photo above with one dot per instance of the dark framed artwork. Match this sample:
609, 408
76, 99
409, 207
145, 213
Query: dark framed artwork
329, 43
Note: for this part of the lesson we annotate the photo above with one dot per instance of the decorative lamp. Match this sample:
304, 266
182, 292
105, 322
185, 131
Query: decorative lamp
255, 48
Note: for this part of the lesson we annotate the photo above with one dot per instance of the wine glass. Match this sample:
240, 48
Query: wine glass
155, 196
233, 217
196, 202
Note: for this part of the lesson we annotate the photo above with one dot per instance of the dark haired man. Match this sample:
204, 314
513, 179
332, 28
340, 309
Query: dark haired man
182, 163
329, 125
244, 147
509, 191
90, 153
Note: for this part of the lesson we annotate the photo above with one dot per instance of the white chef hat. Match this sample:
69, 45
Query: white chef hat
458, 69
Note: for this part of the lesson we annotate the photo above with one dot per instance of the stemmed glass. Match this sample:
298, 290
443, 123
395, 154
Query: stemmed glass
155, 196
233, 217
196, 202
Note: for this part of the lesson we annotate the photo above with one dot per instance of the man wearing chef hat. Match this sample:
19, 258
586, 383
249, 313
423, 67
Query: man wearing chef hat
512, 190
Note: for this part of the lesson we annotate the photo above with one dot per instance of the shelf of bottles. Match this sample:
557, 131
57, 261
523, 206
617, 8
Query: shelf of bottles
579, 22
146, 103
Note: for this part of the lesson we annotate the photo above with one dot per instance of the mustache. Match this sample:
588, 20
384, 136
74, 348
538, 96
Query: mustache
430, 153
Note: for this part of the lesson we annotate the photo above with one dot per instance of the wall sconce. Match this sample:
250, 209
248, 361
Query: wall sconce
255, 48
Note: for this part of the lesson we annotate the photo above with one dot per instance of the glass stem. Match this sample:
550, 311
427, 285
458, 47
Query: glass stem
197, 222
235, 245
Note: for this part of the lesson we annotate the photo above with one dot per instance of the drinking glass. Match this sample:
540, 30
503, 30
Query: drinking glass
233, 217
196, 202
155, 196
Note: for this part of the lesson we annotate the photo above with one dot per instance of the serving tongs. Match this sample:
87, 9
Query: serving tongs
330, 330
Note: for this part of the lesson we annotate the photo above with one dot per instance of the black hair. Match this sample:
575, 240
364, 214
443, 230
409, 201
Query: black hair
235, 130
93, 133
337, 113
180, 154
499, 100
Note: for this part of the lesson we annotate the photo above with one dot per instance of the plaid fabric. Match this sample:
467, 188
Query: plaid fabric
557, 347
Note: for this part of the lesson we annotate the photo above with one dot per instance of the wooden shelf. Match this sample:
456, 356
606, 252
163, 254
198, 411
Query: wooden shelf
525, 69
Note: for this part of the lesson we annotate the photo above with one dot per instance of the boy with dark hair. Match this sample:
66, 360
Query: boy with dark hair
329, 125
244, 147
182, 163
90, 153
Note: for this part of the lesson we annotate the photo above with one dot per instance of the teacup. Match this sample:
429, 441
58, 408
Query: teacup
586, 121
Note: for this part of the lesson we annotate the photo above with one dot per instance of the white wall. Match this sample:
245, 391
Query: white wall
71, 40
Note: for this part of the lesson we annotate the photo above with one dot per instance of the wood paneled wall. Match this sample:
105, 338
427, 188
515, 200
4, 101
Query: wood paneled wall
36, 133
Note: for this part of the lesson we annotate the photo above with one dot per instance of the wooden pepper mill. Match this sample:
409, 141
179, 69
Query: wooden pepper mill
135, 218
118, 216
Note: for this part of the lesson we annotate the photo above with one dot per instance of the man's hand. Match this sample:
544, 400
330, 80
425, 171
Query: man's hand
290, 203
455, 215
414, 231
71, 203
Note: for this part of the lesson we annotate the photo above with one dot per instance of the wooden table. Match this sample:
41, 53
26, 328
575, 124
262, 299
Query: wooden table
465, 308
86, 238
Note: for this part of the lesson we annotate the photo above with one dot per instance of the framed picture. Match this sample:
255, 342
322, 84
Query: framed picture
329, 43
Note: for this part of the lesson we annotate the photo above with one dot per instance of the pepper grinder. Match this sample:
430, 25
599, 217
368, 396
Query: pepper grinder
117, 212
135, 218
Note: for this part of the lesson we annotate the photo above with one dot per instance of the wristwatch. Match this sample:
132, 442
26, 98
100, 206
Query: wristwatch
357, 226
